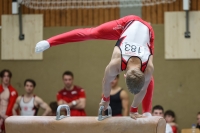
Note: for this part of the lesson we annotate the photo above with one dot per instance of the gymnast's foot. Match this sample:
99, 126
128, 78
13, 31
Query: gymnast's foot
147, 114
42, 46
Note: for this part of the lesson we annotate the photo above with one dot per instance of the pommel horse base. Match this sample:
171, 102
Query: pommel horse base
67, 124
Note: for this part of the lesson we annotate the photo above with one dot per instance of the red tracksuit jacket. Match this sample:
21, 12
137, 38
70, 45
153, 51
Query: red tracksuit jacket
12, 99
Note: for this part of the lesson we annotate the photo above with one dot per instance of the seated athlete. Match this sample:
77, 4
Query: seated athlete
29, 104
170, 118
132, 53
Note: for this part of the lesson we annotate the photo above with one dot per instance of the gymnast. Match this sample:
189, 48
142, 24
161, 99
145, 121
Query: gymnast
133, 53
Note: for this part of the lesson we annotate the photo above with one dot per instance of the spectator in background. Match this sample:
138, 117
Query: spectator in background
170, 117
72, 95
29, 104
159, 111
8, 96
53, 106
198, 120
119, 100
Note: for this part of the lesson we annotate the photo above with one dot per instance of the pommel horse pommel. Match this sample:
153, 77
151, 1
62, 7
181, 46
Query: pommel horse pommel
68, 124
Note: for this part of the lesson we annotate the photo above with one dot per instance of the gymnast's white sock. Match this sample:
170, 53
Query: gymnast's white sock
147, 114
42, 46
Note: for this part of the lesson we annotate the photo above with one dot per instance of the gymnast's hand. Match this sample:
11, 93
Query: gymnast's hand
136, 115
105, 104
42, 46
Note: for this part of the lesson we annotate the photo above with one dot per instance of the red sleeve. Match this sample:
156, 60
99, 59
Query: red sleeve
174, 129
59, 96
82, 94
104, 31
12, 99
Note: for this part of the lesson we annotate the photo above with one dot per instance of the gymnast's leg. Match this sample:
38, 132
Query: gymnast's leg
147, 101
103, 31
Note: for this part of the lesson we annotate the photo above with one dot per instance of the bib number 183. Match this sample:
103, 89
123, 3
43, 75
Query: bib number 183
133, 49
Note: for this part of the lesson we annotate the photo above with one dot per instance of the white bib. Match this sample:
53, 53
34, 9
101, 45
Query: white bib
132, 49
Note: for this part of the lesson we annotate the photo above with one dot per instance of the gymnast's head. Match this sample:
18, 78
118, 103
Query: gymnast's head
135, 80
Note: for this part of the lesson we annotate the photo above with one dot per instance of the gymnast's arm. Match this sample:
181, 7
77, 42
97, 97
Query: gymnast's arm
111, 71
104, 31
148, 74
16, 106
43, 105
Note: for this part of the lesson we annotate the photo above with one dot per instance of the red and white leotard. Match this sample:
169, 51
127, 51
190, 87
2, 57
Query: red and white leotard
135, 42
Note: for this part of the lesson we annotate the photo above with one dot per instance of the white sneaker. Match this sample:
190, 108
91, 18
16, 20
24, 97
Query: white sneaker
42, 46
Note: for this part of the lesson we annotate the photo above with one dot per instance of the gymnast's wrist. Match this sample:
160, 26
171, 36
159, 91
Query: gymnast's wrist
134, 109
106, 99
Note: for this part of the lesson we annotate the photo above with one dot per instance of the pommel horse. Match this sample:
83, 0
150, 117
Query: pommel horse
88, 124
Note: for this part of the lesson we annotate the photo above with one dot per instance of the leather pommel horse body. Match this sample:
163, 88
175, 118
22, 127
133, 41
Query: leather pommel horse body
100, 124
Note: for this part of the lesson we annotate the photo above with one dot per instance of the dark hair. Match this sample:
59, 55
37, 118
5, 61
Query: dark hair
53, 106
198, 113
170, 113
157, 107
30, 80
2, 73
117, 76
69, 73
